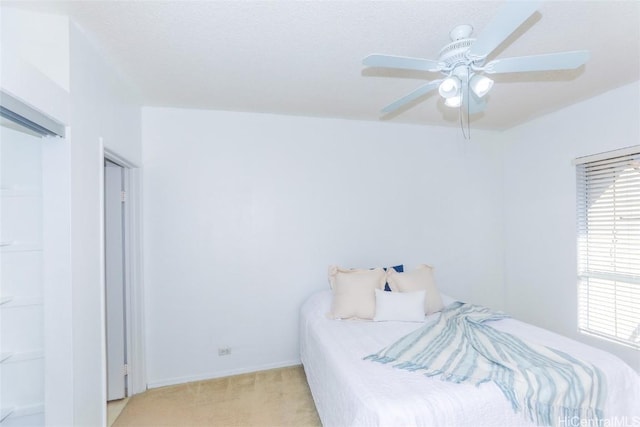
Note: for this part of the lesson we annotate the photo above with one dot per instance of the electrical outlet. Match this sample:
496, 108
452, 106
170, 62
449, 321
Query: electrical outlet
224, 351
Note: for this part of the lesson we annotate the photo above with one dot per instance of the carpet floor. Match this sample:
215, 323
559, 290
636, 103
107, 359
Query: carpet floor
278, 397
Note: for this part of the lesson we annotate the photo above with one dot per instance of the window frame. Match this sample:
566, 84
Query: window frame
597, 205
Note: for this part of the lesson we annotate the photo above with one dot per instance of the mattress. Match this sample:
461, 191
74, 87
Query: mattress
350, 391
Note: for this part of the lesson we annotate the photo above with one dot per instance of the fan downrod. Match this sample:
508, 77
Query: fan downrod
460, 32
454, 53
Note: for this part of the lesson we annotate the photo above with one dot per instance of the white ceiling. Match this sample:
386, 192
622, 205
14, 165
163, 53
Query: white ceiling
304, 58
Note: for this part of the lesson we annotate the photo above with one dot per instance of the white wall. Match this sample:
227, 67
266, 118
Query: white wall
73, 84
101, 108
22, 33
540, 206
244, 212
35, 60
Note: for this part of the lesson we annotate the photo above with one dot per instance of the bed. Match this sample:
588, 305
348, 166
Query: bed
350, 391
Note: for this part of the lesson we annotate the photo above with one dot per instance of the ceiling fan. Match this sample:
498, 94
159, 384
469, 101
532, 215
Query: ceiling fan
463, 62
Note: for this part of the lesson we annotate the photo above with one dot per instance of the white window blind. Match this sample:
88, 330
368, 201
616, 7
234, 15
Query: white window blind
609, 248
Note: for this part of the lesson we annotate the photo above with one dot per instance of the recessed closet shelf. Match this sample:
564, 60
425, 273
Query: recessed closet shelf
5, 412
21, 411
21, 356
15, 302
20, 192
19, 246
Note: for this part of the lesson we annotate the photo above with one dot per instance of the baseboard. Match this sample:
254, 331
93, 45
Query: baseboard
222, 374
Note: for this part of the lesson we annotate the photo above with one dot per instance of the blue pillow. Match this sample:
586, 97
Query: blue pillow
399, 269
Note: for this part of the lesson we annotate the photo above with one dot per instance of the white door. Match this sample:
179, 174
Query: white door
114, 280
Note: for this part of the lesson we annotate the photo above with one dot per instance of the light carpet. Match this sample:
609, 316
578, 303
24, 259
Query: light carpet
278, 397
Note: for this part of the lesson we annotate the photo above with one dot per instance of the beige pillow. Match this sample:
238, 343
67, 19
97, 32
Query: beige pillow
419, 279
354, 292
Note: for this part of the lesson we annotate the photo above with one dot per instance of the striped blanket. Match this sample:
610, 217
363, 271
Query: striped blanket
547, 385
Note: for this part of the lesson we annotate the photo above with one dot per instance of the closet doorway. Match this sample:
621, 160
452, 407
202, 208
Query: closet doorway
124, 368
115, 279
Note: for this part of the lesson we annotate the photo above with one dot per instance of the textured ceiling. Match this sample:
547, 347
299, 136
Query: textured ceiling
304, 58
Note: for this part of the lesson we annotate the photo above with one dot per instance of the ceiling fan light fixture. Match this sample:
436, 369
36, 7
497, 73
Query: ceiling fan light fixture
480, 85
463, 63
453, 101
450, 87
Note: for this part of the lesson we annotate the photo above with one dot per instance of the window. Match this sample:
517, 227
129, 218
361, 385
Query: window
609, 246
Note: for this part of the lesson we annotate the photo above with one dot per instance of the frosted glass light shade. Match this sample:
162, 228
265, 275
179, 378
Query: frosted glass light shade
449, 87
453, 101
480, 85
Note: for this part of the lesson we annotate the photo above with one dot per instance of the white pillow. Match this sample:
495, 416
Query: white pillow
419, 279
354, 292
401, 306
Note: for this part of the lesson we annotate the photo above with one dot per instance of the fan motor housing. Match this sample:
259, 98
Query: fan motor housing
454, 52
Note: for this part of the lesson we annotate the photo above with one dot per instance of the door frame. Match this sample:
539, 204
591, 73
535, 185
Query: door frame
136, 381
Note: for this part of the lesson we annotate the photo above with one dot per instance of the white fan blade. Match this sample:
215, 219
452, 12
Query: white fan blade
402, 62
417, 93
550, 61
509, 18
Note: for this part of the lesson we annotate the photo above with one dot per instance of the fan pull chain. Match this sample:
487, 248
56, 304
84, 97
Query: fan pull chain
466, 135
468, 105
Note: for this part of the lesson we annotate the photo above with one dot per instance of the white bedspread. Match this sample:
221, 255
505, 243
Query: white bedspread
349, 391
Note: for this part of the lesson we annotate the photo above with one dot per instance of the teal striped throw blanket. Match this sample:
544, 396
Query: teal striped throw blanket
547, 385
